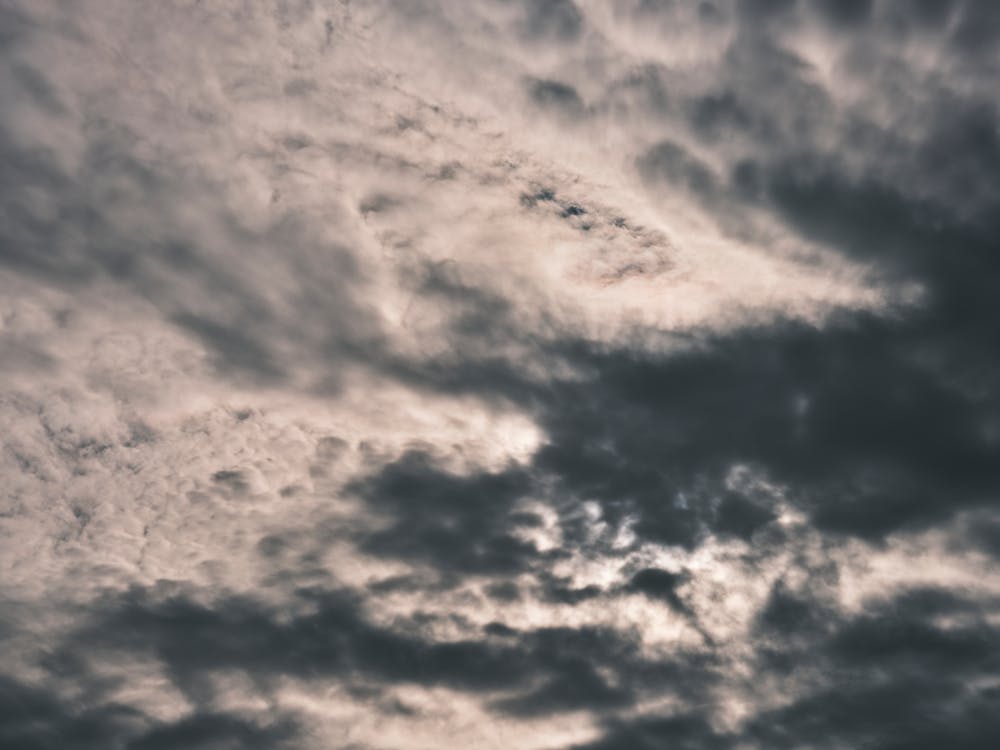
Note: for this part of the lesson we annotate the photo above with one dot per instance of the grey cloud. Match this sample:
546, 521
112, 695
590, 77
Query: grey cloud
558, 97
668, 162
206, 730
455, 522
34, 719
865, 431
862, 459
235, 349
883, 685
685, 731
978, 28
536, 672
846, 13
904, 713
644, 90
659, 584
552, 20
716, 114
560, 591
759, 10
739, 516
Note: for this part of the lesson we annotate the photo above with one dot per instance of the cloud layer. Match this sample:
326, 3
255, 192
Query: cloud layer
545, 374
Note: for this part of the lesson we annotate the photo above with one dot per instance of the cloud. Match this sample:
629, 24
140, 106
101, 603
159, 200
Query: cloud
209, 730
454, 522
530, 673
547, 374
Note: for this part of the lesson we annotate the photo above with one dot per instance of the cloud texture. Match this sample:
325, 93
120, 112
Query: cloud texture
512, 373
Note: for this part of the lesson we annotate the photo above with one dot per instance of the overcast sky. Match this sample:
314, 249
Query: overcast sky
536, 374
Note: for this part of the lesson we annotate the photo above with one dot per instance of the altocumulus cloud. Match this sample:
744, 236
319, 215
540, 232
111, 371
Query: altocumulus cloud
542, 373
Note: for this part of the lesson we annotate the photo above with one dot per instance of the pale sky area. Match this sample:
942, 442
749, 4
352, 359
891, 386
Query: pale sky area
489, 374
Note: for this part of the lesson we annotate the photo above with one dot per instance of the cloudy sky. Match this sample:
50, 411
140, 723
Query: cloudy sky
537, 374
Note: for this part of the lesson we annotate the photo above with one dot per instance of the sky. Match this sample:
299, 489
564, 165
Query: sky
537, 374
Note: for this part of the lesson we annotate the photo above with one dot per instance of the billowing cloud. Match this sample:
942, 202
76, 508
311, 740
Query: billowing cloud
546, 374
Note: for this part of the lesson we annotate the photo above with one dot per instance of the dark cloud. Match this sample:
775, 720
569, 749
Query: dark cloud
551, 20
890, 677
895, 679
845, 13
868, 437
906, 712
35, 719
205, 731
716, 115
233, 480
334, 640
685, 732
561, 591
981, 531
530, 200
977, 29
787, 613
235, 349
931, 13
872, 425
737, 516
455, 522
505, 591
32, 718
659, 584
756, 11
533, 672
644, 90
560, 98
38, 89
668, 163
